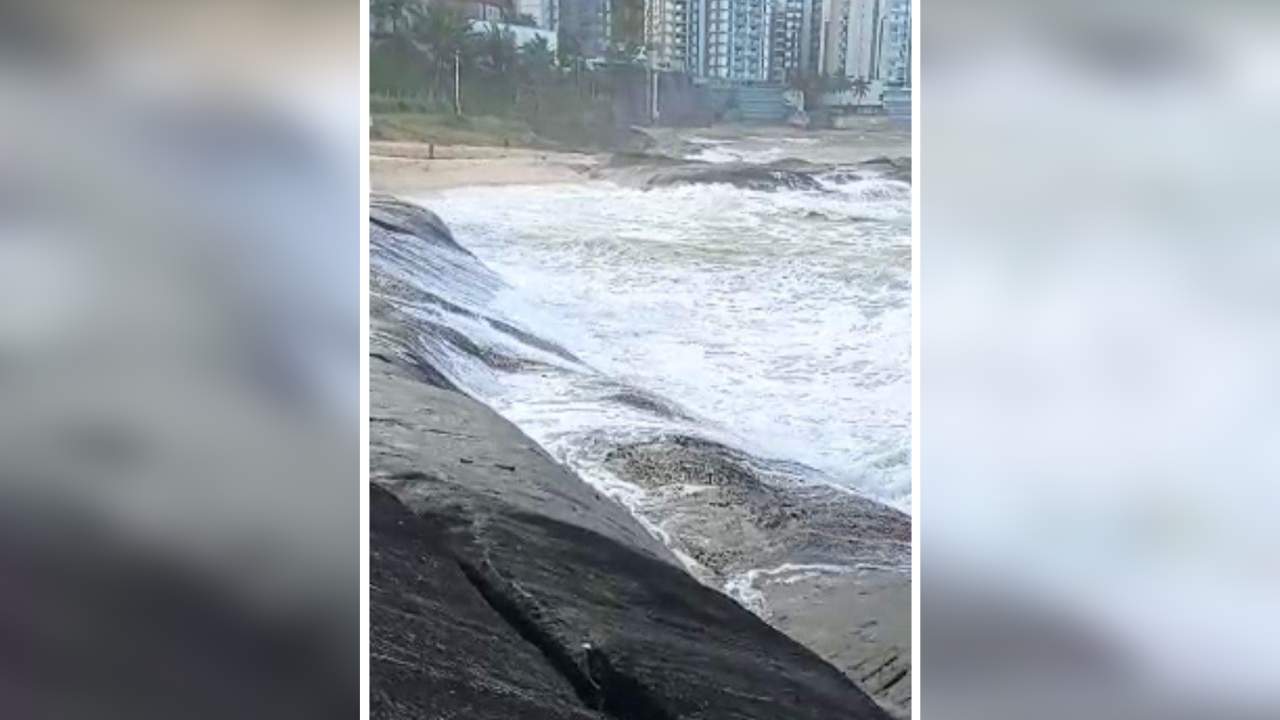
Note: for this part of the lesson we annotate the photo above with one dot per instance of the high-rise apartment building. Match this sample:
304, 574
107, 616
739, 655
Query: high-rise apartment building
895, 44
749, 40
776, 40
725, 39
795, 38
586, 24
868, 39
667, 31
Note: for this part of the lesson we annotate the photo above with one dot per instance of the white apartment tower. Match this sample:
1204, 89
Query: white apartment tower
895, 44
667, 31
725, 39
868, 39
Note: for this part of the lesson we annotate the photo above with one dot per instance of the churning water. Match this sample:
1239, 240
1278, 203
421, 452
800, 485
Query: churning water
778, 323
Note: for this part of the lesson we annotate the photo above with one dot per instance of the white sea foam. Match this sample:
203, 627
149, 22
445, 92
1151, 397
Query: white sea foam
745, 587
778, 322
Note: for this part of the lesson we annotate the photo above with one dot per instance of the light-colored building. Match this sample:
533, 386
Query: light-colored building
795, 38
851, 37
544, 12
715, 39
749, 22
523, 34
722, 39
868, 39
667, 30
588, 23
895, 46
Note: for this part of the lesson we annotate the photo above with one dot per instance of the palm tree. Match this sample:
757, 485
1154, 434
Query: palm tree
860, 88
497, 50
536, 58
535, 63
810, 87
568, 48
443, 34
389, 13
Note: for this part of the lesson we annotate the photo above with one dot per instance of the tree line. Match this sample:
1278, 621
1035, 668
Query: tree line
418, 50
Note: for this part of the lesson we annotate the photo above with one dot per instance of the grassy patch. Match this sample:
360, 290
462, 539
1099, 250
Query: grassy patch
448, 129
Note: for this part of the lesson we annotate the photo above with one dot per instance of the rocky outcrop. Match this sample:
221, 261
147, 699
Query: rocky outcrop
892, 168
649, 170
829, 568
742, 175
502, 586
392, 214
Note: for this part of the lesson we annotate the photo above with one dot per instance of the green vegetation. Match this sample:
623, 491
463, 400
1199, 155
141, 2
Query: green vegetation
517, 94
449, 129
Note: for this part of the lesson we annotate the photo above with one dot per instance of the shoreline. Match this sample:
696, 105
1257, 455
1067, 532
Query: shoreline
405, 168
408, 167
856, 619
495, 566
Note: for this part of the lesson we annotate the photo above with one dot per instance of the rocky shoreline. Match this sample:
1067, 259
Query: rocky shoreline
648, 171
829, 568
501, 586
505, 586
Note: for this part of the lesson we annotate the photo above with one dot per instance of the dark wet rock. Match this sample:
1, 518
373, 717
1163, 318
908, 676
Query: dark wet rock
798, 165
637, 140
886, 161
743, 175
647, 402
397, 345
399, 216
421, 606
425, 430
651, 170
418, 322
828, 567
407, 293
643, 159
506, 587
843, 175
491, 357
837, 218
567, 605
898, 169
532, 340
739, 509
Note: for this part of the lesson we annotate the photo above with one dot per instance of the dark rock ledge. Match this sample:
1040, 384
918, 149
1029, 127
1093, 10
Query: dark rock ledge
654, 171
503, 587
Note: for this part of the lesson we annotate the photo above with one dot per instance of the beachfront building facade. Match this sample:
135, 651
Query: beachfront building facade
707, 38
777, 40
721, 39
795, 38
587, 23
667, 30
749, 22
851, 36
895, 46
868, 40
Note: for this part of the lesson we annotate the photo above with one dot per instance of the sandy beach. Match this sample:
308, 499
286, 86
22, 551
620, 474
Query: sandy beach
409, 167
406, 168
